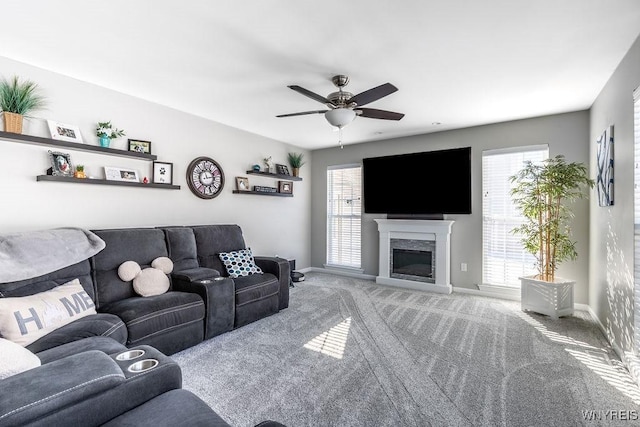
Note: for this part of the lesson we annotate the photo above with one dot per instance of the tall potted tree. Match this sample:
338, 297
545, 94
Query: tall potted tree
544, 194
16, 100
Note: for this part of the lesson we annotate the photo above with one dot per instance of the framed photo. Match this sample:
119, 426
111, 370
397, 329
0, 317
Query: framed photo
60, 164
118, 174
64, 132
285, 187
162, 173
140, 146
242, 183
282, 170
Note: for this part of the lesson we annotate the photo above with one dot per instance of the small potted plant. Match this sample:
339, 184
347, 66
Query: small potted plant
296, 161
79, 173
106, 132
16, 100
542, 193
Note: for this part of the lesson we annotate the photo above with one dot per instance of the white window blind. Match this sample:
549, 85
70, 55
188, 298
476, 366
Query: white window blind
503, 256
344, 214
636, 211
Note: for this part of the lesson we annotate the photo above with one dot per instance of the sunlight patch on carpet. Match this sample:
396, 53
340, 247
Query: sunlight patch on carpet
594, 358
599, 364
332, 342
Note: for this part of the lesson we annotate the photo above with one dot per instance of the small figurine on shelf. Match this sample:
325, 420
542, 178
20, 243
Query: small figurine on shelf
268, 164
79, 173
145, 180
256, 168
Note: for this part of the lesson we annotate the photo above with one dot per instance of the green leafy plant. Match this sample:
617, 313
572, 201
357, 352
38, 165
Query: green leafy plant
80, 168
107, 129
20, 97
296, 160
542, 193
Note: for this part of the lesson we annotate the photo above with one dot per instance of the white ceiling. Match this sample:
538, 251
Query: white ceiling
458, 62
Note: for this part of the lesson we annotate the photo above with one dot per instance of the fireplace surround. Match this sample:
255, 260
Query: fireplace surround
424, 250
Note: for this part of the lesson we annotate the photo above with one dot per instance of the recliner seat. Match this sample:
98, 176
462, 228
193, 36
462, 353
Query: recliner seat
169, 322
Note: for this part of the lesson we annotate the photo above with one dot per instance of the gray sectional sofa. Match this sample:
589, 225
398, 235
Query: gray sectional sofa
201, 301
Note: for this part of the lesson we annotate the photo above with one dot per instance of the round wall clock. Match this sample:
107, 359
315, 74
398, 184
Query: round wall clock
205, 177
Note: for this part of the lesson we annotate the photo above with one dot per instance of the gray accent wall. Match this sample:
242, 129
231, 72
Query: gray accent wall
566, 134
611, 288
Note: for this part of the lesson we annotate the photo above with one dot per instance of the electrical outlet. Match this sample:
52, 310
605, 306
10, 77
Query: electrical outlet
463, 266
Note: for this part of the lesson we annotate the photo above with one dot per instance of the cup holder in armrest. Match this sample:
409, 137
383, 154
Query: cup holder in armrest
130, 355
143, 365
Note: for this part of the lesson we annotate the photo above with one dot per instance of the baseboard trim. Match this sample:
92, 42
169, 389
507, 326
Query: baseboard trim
630, 360
339, 272
490, 294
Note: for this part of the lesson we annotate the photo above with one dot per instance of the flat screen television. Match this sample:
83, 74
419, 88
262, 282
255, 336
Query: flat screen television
430, 183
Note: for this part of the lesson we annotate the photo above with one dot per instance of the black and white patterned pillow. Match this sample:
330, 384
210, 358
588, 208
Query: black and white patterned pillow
239, 263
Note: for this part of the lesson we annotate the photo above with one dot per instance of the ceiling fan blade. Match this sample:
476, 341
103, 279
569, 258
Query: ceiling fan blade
373, 113
310, 94
303, 113
374, 94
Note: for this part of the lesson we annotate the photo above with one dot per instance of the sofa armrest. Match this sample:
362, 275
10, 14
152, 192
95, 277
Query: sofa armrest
218, 294
280, 268
35, 394
195, 274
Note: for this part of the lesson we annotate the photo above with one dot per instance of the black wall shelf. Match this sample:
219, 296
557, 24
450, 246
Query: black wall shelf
275, 175
263, 193
38, 140
73, 180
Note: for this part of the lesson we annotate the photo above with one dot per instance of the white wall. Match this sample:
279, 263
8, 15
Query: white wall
566, 134
611, 288
271, 225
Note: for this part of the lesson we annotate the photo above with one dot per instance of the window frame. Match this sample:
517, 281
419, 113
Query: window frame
509, 218
353, 249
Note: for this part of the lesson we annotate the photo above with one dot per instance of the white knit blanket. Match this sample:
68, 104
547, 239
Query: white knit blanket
31, 254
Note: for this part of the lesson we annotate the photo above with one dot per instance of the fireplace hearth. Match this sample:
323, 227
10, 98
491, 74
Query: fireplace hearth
415, 254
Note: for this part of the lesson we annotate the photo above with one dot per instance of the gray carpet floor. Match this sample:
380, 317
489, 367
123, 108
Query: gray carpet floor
348, 352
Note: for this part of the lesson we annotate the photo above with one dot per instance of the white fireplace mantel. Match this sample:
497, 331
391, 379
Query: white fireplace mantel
433, 230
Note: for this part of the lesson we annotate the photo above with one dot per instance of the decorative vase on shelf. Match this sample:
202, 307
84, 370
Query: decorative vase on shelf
296, 171
105, 141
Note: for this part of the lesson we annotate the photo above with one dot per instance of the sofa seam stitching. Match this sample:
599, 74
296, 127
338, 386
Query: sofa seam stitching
23, 407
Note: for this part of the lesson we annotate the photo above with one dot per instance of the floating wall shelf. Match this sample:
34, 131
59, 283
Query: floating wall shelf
38, 140
103, 182
263, 193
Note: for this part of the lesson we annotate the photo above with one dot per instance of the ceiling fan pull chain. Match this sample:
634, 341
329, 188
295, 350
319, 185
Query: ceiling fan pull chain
340, 137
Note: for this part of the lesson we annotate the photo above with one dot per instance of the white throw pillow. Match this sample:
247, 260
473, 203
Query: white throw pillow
24, 320
15, 359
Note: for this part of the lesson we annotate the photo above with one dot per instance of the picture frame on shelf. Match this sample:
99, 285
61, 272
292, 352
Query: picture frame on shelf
60, 164
282, 169
120, 174
64, 132
242, 183
162, 173
285, 187
139, 146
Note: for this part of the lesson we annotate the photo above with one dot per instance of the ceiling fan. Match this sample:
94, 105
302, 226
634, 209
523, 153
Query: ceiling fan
345, 106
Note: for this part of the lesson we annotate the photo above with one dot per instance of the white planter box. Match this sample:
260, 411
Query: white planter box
553, 299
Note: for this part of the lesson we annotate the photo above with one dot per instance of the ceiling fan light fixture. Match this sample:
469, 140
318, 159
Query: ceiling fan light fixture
340, 117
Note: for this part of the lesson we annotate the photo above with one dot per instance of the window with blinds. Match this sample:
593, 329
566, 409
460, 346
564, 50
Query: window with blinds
344, 214
504, 258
